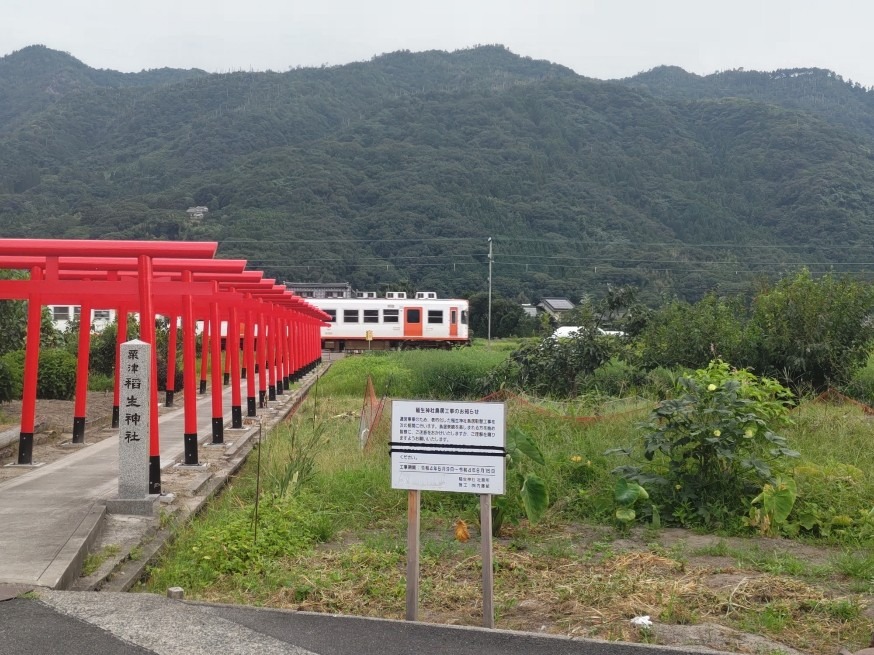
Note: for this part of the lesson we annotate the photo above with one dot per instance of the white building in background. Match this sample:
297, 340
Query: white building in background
320, 289
62, 315
197, 213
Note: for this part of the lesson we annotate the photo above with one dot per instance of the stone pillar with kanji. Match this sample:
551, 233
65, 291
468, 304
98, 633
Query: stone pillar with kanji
133, 431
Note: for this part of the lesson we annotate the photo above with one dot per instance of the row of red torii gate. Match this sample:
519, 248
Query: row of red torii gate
184, 282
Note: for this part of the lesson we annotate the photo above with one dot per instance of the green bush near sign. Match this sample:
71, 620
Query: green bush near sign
523, 486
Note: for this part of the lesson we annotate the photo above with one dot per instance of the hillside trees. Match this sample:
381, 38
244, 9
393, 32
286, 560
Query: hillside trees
401, 167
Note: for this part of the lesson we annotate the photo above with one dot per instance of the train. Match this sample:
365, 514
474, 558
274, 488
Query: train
393, 322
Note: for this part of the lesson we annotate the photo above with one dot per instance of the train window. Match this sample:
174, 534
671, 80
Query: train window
435, 316
414, 316
350, 315
371, 316
453, 316
332, 313
464, 317
390, 315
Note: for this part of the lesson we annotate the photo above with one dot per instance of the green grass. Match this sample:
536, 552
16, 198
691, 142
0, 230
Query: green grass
445, 374
775, 562
343, 497
858, 566
93, 561
98, 382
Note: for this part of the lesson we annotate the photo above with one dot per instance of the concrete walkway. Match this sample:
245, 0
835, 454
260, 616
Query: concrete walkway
50, 515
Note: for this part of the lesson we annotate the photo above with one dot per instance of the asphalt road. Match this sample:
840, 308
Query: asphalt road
27, 626
107, 623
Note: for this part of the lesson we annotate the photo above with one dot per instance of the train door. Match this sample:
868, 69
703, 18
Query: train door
453, 321
413, 322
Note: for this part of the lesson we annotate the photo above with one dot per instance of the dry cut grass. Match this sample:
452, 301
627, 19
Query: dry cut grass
576, 589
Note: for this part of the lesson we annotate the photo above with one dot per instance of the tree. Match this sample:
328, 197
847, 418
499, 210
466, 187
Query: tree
508, 317
690, 335
13, 319
812, 332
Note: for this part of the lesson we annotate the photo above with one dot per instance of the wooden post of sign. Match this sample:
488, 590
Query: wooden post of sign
413, 499
485, 521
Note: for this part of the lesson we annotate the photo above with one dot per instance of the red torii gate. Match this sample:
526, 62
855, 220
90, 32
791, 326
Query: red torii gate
162, 277
108, 269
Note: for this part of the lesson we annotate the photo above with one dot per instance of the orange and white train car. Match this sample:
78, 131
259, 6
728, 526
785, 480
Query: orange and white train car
394, 322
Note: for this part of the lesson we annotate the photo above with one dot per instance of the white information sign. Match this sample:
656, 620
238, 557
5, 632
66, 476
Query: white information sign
448, 446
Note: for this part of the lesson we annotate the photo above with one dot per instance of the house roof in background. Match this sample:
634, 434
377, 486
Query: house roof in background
557, 304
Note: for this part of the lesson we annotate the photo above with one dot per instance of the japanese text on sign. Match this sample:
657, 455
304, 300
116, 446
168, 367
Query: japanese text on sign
132, 417
448, 446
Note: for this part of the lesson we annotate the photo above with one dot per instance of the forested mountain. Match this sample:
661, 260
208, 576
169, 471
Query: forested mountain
397, 170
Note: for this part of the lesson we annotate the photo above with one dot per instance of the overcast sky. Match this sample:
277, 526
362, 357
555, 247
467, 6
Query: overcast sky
597, 38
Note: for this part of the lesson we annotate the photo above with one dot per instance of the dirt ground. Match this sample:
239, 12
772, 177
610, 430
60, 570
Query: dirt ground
54, 428
57, 415
698, 590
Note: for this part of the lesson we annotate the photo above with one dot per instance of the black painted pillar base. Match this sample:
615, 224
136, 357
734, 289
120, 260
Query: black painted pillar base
168, 400
261, 398
115, 416
190, 441
154, 474
287, 381
243, 373
271, 392
78, 429
25, 448
279, 388
236, 417
203, 386
218, 429
226, 378
251, 405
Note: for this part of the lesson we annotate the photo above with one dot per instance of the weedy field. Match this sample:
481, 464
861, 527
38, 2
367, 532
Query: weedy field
312, 523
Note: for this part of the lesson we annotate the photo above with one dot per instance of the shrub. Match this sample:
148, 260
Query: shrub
14, 362
56, 377
162, 374
617, 377
8, 388
692, 335
57, 374
661, 382
102, 356
555, 367
812, 332
711, 450
861, 384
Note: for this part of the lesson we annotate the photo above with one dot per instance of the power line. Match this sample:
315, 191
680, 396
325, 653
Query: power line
559, 241
566, 262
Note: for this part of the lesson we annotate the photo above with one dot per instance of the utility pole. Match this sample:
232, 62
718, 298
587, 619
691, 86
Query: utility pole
490, 291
